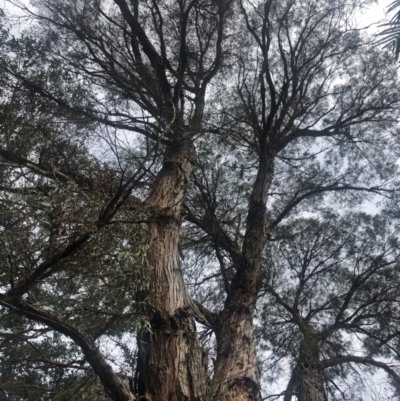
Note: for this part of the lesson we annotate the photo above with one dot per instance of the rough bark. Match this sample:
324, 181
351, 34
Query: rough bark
310, 385
306, 381
171, 365
236, 371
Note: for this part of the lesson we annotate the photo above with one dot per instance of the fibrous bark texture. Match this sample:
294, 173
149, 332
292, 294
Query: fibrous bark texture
171, 364
310, 387
236, 372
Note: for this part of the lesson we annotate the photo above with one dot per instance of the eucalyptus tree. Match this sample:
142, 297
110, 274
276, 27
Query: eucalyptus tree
129, 119
298, 131
140, 68
333, 303
57, 246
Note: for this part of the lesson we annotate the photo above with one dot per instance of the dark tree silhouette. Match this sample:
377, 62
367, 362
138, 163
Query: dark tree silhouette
151, 152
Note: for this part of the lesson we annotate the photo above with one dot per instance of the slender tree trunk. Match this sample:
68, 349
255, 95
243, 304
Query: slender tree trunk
236, 375
171, 363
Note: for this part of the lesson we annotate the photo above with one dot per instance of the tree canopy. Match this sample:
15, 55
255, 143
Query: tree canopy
183, 191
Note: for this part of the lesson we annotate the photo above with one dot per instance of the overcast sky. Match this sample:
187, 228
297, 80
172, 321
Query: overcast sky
374, 14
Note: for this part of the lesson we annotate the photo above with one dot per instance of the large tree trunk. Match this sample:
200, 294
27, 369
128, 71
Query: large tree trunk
236, 375
171, 365
306, 384
310, 384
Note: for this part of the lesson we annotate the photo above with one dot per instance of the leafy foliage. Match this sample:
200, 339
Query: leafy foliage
289, 134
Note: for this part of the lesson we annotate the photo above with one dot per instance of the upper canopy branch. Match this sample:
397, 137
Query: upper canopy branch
297, 198
155, 59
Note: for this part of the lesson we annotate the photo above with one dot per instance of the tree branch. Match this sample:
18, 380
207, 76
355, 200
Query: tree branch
101, 368
360, 360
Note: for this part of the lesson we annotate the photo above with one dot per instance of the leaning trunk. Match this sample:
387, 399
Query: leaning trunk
170, 364
236, 375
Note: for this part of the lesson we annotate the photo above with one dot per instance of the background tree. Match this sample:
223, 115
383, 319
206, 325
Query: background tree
56, 244
334, 301
286, 123
110, 101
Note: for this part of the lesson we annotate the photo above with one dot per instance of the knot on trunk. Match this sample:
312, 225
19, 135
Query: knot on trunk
245, 389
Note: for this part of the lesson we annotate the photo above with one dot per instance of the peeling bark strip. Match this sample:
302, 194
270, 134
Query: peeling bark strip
170, 365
